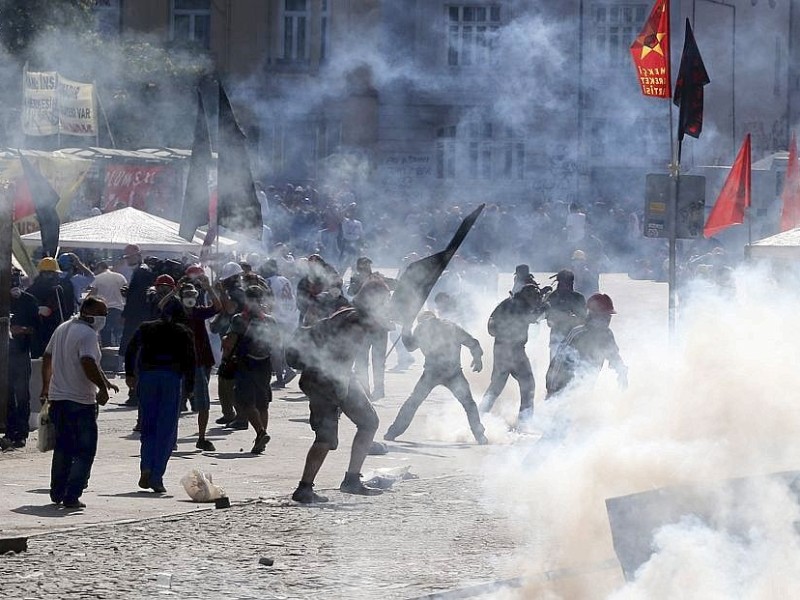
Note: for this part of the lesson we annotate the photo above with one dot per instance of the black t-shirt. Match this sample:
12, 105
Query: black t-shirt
24, 313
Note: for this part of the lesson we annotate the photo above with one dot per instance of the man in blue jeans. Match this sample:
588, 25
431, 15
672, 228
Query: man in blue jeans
74, 385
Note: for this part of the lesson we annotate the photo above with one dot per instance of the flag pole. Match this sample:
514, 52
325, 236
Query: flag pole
675, 171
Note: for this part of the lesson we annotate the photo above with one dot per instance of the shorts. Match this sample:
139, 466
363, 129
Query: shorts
251, 384
201, 400
327, 401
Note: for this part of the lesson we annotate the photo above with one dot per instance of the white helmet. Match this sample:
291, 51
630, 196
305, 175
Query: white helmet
230, 269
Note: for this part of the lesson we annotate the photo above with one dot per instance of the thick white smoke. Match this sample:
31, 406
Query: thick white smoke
716, 405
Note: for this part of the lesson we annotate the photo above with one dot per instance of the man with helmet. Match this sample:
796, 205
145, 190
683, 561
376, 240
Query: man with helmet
163, 287
508, 325
587, 347
565, 308
55, 305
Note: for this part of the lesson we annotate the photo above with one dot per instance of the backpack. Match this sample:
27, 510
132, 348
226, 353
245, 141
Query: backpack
300, 349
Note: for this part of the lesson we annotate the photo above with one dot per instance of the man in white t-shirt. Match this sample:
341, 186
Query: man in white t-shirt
108, 286
576, 224
351, 234
284, 310
74, 386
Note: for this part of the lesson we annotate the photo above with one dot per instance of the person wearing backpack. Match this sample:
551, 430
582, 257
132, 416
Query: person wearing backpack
328, 351
246, 351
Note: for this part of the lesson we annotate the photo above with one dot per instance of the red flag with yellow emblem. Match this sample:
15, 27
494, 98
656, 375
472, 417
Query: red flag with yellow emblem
650, 52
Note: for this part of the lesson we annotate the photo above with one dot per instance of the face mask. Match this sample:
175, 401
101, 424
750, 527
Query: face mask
190, 302
16, 292
98, 323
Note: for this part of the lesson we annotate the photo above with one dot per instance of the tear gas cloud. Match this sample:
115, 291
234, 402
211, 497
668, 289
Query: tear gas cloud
716, 405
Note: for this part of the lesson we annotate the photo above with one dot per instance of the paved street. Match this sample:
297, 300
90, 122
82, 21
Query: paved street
438, 532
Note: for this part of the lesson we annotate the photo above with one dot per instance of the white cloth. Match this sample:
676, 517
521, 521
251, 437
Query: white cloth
285, 309
72, 341
107, 285
264, 202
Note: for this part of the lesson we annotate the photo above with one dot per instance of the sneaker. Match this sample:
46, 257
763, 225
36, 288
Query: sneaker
238, 425
278, 384
305, 494
18, 443
205, 445
137, 427
158, 488
6, 444
131, 402
223, 420
74, 504
262, 439
352, 484
144, 480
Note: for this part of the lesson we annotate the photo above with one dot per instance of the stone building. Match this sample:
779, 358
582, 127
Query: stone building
462, 100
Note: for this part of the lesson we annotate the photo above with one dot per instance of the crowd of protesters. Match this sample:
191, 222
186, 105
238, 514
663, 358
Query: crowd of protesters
258, 319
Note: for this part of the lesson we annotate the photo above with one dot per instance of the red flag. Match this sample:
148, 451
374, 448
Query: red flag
735, 195
790, 215
650, 52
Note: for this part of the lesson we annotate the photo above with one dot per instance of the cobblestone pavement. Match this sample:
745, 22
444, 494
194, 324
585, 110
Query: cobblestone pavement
350, 548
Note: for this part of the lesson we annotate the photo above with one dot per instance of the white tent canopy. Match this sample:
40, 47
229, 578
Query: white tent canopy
785, 245
116, 229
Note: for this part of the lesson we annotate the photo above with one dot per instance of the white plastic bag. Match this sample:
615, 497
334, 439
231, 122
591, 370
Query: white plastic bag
47, 430
385, 478
200, 487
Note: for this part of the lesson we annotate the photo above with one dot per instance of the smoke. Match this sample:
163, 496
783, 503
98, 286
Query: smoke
718, 404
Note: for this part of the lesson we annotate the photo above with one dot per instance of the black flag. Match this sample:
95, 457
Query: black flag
417, 281
45, 200
688, 96
196, 198
238, 208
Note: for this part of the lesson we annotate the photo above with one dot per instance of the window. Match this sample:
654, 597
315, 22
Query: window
613, 28
472, 35
479, 150
191, 22
297, 30
107, 16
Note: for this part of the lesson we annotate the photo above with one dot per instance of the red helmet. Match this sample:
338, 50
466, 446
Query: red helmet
600, 303
194, 270
165, 280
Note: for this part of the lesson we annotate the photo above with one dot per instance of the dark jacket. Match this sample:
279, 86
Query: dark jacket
162, 346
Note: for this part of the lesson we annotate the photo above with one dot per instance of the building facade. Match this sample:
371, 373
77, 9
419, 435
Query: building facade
461, 100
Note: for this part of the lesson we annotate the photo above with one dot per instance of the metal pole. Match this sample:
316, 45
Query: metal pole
675, 172
6, 229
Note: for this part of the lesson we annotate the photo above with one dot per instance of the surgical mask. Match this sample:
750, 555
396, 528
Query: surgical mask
190, 302
98, 323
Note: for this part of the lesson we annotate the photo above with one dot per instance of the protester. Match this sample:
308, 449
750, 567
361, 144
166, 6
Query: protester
248, 345
351, 235
508, 325
363, 271
328, 382
54, 304
137, 310
160, 364
231, 293
163, 287
285, 313
109, 285
586, 348
24, 323
522, 276
374, 348
196, 316
565, 308
76, 277
320, 277
440, 342
74, 385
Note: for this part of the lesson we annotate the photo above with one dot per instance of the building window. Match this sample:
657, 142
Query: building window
478, 150
107, 16
472, 34
614, 26
296, 17
191, 22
